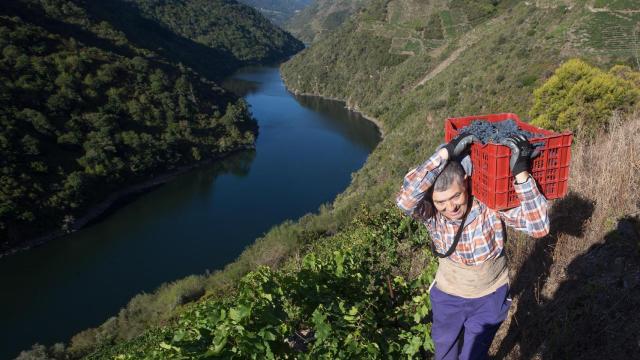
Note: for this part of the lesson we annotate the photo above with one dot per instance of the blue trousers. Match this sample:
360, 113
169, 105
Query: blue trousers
475, 321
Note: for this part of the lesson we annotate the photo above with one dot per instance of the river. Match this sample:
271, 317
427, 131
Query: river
305, 153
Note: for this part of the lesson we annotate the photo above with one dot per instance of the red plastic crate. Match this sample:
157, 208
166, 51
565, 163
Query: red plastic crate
492, 181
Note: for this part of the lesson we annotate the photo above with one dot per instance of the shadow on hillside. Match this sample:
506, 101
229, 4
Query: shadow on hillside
593, 314
35, 15
145, 33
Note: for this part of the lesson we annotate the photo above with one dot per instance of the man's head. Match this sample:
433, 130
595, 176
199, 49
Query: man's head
450, 195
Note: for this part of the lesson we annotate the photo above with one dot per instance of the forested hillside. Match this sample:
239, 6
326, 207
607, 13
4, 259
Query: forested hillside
278, 11
86, 110
223, 24
349, 281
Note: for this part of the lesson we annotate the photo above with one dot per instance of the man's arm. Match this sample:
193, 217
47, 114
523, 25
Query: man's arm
531, 216
419, 180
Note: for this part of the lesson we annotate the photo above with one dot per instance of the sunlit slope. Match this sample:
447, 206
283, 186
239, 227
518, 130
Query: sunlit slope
412, 65
278, 11
321, 17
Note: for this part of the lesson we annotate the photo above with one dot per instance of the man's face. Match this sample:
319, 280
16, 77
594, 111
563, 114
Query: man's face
452, 203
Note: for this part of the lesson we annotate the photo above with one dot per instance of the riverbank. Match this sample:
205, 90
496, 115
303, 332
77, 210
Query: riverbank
116, 200
220, 219
348, 106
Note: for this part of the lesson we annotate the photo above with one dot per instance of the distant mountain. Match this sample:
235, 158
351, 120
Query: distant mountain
278, 11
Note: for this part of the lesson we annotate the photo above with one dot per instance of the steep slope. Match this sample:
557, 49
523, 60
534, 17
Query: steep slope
278, 11
362, 293
320, 17
410, 64
212, 37
488, 59
223, 24
89, 105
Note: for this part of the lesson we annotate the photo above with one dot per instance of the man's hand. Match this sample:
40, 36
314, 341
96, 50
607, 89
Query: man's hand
458, 145
521, 153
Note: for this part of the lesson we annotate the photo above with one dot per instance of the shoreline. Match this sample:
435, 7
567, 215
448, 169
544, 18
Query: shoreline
347, 106
164, 178
111, 202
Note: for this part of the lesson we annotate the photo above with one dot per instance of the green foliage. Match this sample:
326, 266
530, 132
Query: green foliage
493, 74
81, 118
223, 24
322, 17
617, 4
433, 28
142, 312
581, 98
349, 297
475, 10
336, 19
609, 32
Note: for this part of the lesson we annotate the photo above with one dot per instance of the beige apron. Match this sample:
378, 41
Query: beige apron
471, 281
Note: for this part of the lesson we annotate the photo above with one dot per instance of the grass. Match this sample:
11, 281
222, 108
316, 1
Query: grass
341, 65
447, 23
617, 4
612, 33
614, 159
570, 278
413, 46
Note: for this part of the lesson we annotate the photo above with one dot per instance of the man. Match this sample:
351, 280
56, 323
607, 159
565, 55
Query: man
469, 296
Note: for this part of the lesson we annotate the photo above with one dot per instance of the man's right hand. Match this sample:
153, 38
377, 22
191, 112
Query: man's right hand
458, 145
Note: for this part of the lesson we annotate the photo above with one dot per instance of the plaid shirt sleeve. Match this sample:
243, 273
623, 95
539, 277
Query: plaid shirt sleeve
531, 216
417, 182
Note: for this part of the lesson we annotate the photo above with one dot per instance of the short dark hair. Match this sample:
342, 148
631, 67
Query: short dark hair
452, 172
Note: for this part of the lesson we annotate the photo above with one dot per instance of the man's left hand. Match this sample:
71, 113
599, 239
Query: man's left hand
521, 153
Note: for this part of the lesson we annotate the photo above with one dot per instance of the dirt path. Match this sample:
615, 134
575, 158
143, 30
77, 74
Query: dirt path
465, 42
607, 10
443, 65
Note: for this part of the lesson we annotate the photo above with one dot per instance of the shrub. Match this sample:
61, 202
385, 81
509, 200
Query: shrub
37, 352
582, 98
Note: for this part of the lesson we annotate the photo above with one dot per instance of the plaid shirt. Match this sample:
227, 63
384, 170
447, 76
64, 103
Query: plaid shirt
483, 234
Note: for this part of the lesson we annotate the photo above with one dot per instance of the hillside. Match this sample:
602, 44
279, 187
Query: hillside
89, 105
362, 293
480, 59
411, 64
320, 17
278, 11
212, 37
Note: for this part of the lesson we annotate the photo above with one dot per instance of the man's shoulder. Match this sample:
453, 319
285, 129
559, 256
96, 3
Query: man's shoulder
482, 207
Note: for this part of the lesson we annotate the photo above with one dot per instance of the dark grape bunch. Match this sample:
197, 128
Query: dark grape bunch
493, 132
